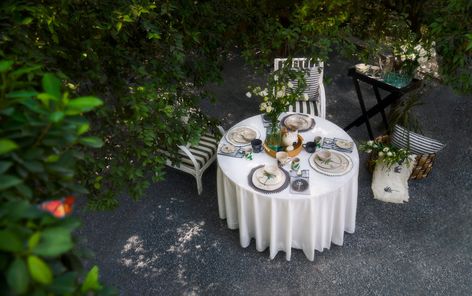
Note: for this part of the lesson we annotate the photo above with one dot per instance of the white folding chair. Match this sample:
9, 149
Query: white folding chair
195, 159
316, 103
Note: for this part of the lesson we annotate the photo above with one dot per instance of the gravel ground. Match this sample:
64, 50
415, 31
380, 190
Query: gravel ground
172, 242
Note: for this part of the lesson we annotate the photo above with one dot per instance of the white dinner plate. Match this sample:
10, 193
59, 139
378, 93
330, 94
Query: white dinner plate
298, 122
261, 182
329, 168
242, 135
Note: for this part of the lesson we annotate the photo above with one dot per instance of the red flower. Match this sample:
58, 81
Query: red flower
59, 208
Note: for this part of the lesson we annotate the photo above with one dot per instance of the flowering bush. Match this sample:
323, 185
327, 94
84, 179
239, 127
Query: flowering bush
281, 91
411, 55
387, 154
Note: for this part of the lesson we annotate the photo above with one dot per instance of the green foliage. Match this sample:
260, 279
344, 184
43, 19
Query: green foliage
41, 134
385, 153
150, 61
36, 252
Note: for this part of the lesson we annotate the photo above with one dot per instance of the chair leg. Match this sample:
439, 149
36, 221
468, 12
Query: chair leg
198, 177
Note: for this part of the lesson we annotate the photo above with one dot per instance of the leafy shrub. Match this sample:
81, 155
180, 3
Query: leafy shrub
39, 136
149, 60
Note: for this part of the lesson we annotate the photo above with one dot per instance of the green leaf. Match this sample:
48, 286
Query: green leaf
34, 240
54, 242
56, 116
21, 94
91, 281
7, 181
24, 70
4, 166
52, 158
39, 270
17, 276
82, 104
34, 166
10, 242
25, 190
45, 98
64, 284
5, 65
93, 142
7, 145
52, 85
83, 128
27, 21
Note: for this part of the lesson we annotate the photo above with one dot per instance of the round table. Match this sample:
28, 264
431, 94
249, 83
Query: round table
285, 220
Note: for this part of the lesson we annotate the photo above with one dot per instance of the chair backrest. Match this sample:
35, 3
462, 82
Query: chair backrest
314, 79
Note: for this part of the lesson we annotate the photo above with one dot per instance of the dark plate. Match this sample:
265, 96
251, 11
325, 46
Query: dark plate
299, 185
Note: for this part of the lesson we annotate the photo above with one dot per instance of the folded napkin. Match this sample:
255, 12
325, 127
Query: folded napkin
238, 153
300, 184
330, 143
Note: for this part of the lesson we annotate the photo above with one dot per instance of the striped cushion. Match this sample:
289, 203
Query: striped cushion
203, 151
416, 143
313, 83
307, 107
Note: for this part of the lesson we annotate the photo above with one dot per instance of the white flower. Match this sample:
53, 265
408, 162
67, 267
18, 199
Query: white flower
368, 150
385, 149
389, 153
269, 109
290, 84
265, 92
370, 143
280, 93
276, 77
263, 106
305, 97
375, 146
381, 154
248, 94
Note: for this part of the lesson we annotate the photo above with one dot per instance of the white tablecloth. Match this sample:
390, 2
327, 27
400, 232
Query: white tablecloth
283, 221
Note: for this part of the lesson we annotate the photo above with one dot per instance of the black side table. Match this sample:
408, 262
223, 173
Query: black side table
394, 96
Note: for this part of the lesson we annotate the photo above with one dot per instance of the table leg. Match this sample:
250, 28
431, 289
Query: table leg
364, 116
382, 111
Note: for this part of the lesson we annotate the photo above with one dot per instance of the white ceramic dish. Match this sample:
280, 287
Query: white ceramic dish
242, 135
344, 144
298, 122
260, 180
339, 165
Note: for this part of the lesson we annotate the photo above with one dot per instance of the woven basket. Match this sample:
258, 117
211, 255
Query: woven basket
424, 162
296, 149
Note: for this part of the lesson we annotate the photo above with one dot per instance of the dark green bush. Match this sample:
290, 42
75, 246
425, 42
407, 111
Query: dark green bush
40, 135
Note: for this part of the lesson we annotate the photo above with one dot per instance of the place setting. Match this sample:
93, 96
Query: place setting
268, 178
331, 163
337, 144
227, 149
242, 135
300, 122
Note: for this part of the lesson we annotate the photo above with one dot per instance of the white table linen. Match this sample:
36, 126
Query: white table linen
282, 221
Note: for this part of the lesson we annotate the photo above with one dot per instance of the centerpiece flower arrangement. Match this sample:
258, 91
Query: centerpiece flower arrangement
284, 87
385, 153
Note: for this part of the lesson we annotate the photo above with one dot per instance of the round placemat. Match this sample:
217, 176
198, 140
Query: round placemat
304, 115
281, 188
